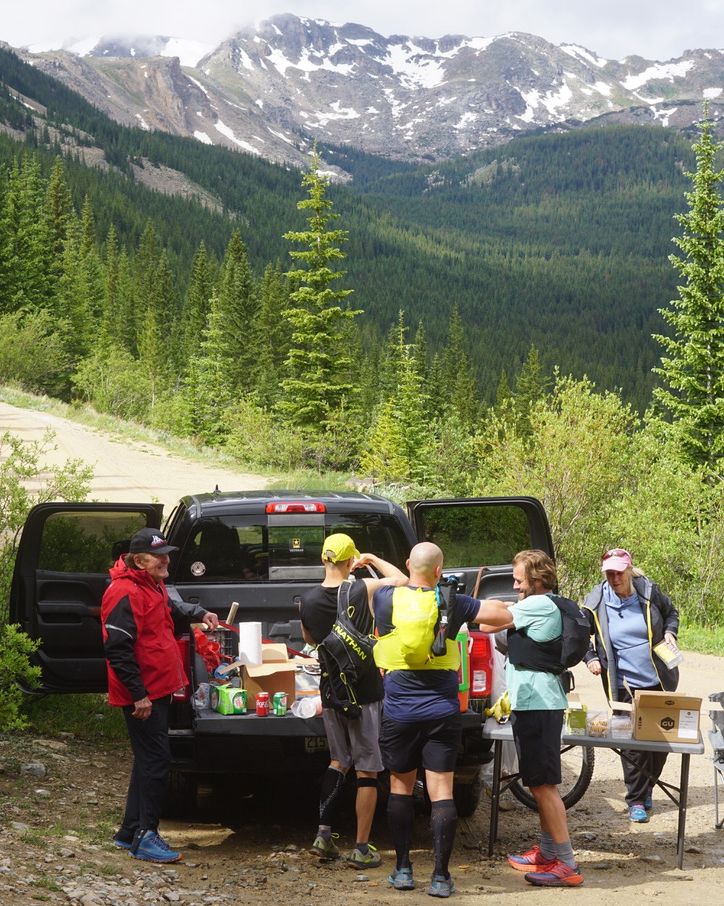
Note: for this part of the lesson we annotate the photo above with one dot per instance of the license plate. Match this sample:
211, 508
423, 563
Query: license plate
315, 743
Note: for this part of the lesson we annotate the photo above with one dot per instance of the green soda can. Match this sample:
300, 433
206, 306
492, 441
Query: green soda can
279, 704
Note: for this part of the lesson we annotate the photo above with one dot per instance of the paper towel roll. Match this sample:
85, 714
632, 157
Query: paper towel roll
250, 644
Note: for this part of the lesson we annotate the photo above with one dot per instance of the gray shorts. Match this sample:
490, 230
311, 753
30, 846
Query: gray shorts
355, 742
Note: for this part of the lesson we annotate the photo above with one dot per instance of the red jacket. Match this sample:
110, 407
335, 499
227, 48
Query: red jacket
142, 656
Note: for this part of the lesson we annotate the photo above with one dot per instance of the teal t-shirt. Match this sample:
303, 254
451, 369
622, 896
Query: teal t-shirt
532, 690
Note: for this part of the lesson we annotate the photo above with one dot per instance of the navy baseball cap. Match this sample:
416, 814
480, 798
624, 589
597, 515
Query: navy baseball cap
150, 541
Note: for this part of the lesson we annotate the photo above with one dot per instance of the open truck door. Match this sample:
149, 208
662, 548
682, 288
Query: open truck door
61, 572
482, 531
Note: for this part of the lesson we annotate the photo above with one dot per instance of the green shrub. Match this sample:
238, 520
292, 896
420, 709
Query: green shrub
15, 667
24, 336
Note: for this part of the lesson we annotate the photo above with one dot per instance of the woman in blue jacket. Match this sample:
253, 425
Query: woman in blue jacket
629, 616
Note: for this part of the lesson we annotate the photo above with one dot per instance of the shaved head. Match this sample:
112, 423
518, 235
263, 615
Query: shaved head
425, 562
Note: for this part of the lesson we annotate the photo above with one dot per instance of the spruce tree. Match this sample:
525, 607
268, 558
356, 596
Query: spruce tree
196, 307
692, 366
237, 306
319, 377
25, 282
273, 333
530, 387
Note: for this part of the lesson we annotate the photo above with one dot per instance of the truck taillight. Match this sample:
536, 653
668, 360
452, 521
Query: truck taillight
298, 506
481, 664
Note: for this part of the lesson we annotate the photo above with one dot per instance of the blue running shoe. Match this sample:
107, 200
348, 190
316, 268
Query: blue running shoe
151, 847
440, 886
637, 813
401, 878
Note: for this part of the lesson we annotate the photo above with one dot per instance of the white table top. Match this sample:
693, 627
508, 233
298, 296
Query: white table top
493, 730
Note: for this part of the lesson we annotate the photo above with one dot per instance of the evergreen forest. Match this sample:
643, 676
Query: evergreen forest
518, 321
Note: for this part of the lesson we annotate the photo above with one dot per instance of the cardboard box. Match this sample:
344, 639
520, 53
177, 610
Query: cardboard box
665, 717
276, 673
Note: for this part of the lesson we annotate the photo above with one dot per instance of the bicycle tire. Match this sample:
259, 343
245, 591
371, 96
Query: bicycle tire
576, 779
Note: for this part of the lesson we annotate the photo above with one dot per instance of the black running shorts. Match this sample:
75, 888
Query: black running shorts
430, 744
537, 737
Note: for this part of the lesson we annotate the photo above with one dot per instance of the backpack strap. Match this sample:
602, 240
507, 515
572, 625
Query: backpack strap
343, 598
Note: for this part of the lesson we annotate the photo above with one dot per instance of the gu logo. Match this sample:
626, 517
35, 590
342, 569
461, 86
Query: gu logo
667, 723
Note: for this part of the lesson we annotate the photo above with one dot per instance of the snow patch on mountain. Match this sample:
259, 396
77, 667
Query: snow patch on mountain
658, 71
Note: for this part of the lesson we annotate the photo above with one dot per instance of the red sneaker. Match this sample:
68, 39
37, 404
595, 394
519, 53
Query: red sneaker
556, 874
533, 858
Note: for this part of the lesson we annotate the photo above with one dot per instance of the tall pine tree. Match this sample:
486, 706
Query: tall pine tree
319, 377
692, 366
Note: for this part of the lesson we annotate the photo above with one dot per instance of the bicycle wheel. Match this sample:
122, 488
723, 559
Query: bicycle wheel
576, 772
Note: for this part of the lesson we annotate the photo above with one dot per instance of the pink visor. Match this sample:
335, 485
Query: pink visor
616, 560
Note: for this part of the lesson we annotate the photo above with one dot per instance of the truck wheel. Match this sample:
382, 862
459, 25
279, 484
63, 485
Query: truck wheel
577, 764
467, 796
180, 794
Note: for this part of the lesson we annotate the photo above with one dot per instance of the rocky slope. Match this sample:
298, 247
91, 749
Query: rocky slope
273, 89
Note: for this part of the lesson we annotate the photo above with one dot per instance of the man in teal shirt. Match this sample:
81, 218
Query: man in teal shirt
538, 702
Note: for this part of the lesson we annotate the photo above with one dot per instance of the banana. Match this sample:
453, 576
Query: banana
500, 710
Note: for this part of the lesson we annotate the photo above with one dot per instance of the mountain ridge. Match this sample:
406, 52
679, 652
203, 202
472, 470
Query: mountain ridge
274, 89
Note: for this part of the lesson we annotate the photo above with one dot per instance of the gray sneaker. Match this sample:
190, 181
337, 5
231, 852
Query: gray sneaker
401, 879
440, 886
370, 859
326, 848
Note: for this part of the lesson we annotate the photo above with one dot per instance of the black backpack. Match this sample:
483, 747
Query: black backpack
557, 655
345, 655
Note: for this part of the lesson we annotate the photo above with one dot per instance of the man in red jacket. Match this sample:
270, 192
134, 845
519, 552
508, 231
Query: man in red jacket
144, 669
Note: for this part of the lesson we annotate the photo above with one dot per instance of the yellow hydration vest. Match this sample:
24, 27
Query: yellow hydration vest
414, 615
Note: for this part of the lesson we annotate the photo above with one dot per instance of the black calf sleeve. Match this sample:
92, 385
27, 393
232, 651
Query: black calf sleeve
366, 781
401, 818
328, 793
443, 823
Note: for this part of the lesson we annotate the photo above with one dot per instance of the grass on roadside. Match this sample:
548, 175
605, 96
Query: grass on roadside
87, 717
702, 639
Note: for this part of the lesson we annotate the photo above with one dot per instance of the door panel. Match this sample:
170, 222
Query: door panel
61, 572
483, 531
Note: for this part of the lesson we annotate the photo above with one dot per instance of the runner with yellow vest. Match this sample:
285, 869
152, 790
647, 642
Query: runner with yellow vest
421, 714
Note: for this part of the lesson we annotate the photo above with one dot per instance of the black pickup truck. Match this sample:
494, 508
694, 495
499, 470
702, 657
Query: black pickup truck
260, 549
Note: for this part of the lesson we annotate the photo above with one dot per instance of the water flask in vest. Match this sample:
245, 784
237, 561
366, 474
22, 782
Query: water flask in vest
463, 641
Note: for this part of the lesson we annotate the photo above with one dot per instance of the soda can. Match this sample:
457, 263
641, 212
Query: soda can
279, 704
262, 704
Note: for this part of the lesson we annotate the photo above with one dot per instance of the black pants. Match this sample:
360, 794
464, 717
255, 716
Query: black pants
149, 775
640, 769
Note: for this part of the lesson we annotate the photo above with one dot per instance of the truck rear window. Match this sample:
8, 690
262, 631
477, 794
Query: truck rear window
239, 549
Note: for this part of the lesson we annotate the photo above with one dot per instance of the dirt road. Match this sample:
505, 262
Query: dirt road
124, 470
55, 829
55, 833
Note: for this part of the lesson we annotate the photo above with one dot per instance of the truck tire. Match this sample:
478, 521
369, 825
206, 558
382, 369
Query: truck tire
467, 796
577, 764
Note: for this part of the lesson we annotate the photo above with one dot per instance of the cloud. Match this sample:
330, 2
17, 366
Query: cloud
658, 29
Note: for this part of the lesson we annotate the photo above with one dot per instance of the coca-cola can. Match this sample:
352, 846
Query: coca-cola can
262, 704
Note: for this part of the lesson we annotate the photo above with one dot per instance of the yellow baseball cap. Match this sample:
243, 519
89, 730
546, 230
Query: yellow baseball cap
338, 548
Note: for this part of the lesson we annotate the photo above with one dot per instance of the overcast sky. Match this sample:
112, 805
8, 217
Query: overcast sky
655, 29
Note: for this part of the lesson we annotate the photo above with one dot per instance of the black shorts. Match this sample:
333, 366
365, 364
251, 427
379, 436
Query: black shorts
537, 737
430, 744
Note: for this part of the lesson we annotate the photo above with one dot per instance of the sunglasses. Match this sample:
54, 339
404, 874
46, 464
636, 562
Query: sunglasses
616, 552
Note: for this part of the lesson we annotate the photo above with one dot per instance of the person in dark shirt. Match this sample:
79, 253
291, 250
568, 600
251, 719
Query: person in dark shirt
350, 741
421, 725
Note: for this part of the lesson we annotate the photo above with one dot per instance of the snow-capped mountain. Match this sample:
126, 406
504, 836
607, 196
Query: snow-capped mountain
271, 90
